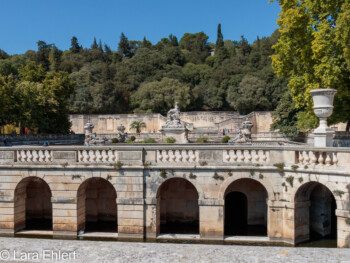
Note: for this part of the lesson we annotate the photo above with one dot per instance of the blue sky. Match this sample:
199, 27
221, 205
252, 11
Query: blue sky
24, 22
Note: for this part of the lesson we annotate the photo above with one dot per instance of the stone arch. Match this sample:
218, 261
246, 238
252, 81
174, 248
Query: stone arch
314, 214
97, 205
177, 207
245, 208
230, 180
326, 184
32, 204
196, 186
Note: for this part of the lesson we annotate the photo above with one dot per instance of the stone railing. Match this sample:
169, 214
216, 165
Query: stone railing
178, 155
173, 156
246, 156
322, 157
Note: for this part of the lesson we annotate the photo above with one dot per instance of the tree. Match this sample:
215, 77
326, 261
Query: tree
160, 96
313, 53
94, 44
42, 56
74, 46
219, 39
250, 95
285, 117
196, 46
138, 126
124, 46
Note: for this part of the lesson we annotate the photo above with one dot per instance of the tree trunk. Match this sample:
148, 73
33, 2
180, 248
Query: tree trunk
347, 129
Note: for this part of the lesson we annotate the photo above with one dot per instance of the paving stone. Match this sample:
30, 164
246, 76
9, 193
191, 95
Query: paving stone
103, 251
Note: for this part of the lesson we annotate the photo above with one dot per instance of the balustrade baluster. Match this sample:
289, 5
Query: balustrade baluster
335, 159
321, 159
257, 157
328, 159
301, 157
228, 155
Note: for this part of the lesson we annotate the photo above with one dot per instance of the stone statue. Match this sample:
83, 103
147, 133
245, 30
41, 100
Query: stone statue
122, 136
245, 133
173, 118
173, 126
90, 137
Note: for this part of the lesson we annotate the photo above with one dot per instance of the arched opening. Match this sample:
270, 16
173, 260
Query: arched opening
177, 207
33, 208
245, 208
97, 206
315, 218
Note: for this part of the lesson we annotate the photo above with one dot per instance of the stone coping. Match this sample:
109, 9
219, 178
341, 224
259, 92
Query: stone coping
191, 146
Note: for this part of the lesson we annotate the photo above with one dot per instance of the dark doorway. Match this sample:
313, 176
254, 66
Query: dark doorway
97, 199
245, 208
178, 207
319, 218
33, 208
236, 214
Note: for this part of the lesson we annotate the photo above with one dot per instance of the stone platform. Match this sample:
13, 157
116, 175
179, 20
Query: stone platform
99, 251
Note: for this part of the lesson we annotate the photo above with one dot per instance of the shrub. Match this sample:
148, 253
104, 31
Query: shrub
279, 166
225, 139
192, 176
163, 174
290, 180
203, 163
132, 138
294, 167
118, 165
130, 142
202, 140
115, 140
218, 177
149, 140
170, 140
338, 193
347, 221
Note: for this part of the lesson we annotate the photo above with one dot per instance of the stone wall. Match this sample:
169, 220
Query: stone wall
200, 121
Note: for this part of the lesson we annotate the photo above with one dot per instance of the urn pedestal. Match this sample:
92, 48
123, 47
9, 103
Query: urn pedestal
323, 108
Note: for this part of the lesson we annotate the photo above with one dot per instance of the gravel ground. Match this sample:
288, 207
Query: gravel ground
40, 250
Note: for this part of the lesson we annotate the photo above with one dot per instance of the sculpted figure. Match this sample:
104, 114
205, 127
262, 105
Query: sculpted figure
245, 134
173, 118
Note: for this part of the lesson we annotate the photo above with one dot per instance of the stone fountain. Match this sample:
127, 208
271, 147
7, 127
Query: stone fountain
174, 127
245, 133
90, 136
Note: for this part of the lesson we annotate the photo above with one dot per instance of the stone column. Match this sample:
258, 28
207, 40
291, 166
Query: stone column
7, 223
211, 218
152, 220
64, 216
130, 217
343, 228
288, 222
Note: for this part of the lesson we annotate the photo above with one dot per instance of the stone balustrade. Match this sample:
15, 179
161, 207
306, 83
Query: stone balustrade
29, 156
173, 156
97, 156
165, 154
246, 156
314, 157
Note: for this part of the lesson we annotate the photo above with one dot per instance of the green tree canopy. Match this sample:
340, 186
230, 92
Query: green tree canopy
160, 96
313, 53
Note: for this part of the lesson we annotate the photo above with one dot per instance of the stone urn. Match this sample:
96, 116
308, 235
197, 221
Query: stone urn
323, 108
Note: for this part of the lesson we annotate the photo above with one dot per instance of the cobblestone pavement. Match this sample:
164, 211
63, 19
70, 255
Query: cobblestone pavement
17, 250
